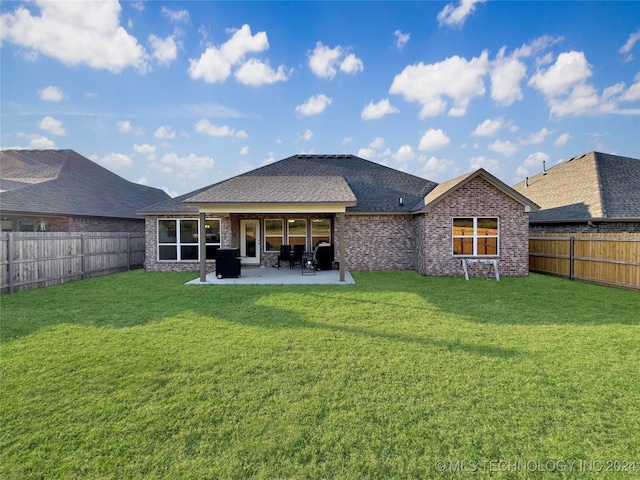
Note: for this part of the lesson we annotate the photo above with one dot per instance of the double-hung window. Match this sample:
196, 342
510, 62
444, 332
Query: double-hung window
273, 234
178, 238
475, 236
320, 231
297, 232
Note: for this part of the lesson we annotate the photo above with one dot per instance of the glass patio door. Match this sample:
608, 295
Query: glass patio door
250, 241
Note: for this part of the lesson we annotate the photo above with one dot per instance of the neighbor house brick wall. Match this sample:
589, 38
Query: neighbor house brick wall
478, 198
379, 242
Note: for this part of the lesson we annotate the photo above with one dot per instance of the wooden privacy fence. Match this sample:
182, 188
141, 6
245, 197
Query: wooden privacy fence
610, 259
32, 260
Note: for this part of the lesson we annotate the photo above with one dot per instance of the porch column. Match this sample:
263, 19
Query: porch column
341, 244
203, 249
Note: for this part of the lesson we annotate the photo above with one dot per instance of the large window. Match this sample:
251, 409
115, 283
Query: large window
320, 231
297, 232
475, 236
273, 234
178, 239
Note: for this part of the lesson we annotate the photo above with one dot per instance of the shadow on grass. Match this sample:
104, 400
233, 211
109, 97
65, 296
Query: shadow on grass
137, 298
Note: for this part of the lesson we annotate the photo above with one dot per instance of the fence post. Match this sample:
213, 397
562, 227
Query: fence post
82, 263
11, 253
571, 246
128, 252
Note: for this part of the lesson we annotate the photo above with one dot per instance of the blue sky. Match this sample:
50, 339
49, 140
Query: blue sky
179, 95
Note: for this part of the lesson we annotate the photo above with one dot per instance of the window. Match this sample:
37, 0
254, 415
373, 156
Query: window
320, 231
475, 236
178, 239
273, 234
297, 232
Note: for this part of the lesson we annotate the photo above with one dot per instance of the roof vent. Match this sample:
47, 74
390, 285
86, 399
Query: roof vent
401, 201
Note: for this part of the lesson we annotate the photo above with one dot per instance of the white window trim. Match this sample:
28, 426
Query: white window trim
475, 239
178, 244
282, 234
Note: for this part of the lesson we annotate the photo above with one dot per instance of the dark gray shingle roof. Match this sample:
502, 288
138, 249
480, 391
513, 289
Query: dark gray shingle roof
377, 188
63, 182
593, 186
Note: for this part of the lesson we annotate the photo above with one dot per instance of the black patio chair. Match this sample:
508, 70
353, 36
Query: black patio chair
284, 255
296, 256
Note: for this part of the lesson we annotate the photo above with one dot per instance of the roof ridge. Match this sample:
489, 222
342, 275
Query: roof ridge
596, 161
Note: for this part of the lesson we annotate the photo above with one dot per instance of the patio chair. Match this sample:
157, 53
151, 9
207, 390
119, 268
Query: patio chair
284, 255
296, 256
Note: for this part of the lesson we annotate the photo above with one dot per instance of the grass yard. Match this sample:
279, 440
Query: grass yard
136, 375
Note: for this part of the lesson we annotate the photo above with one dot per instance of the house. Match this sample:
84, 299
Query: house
62, 191
594, 192
375, 217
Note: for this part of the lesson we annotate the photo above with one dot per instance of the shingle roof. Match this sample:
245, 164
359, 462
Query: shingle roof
63, 182
593, 186
377, 188
272, 189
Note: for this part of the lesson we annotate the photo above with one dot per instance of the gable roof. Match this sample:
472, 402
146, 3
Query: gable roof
376, 188
593, 186
447, 188
63, 182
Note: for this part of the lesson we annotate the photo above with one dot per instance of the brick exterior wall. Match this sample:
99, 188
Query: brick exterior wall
392, 242
478, 198
379, 242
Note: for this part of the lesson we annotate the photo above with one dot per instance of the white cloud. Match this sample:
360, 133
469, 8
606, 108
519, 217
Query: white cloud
377, 143
628, 46
562, 140
116, 161
532, 163
314, 105
307, 135
351, 64
244, 150
569, 69
51, 94
175, 15
324, 61
435, 168
488, 127
124, 126
255, 73
52, 126
189, 167
204, 126
38, 142
214, 65
456, 16
490, 164
164, 132
535, 138
76, 33
367, 153
433, 140
402, 38
506, 147
144, 149
373, 111
241, 134
455, 77
165, 50
633, 92
506, 75
404, 154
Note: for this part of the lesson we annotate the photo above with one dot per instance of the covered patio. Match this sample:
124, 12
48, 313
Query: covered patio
255, 275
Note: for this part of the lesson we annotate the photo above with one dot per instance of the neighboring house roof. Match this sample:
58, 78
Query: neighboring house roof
376, 188
63, 182
445, 189
594, 186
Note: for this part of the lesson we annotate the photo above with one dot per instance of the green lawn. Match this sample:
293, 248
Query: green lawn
137, 375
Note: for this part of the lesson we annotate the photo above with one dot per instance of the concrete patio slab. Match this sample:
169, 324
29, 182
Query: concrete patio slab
277, 276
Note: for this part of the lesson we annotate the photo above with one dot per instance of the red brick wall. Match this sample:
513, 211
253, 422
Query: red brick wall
478, 198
